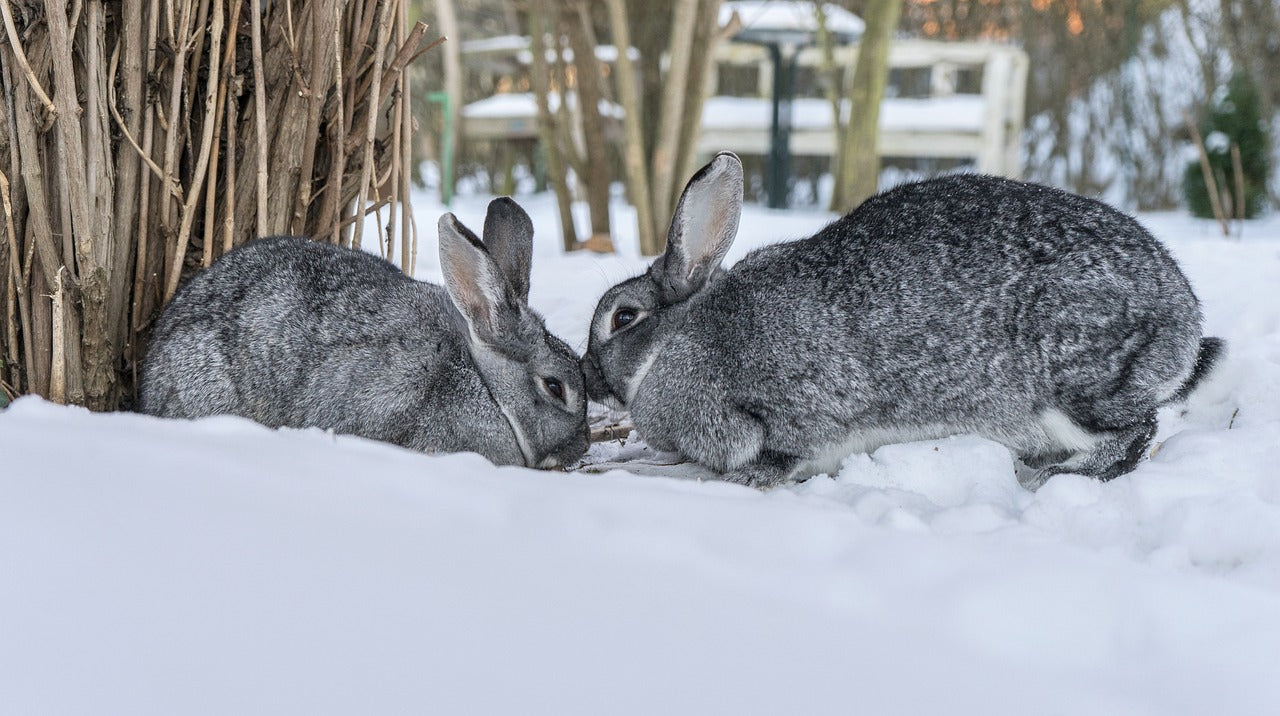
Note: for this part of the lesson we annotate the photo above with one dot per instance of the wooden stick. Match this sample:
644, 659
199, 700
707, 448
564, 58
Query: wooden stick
130, 171
407, 52
58, 364
637, 170
142, 268
408, 229
75, 19
19, 286
359, 42
373, 207
331, 206
260, 114
1237, 168
617, 431
174, 129
142, 154
371, 120
211, 183
388, 78
394, 170
316, 96
1210, 183
16, 46
98, 298
229, 220
31, 166
398, 166
78, 230
202, 162
26, 307
11, 296
210, 206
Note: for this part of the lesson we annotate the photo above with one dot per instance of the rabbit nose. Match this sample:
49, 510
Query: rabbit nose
597, 389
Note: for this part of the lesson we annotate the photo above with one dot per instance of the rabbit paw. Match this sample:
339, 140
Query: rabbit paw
769, 470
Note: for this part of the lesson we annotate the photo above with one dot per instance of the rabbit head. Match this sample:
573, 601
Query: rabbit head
534, 377
633, 318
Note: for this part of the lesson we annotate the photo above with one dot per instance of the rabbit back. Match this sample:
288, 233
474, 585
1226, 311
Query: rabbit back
961, 304
291, 332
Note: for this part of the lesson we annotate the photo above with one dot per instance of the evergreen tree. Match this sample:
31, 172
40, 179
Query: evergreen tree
1234, 119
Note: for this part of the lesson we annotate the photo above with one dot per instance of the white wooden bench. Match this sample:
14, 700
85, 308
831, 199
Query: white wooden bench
985, 127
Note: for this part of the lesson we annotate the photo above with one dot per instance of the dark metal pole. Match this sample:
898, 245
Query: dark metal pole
784, 70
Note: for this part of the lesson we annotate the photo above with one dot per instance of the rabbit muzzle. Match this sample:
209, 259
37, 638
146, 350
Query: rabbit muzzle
598, 388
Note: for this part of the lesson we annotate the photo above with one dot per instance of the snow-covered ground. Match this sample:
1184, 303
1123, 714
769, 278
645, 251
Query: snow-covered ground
216, 566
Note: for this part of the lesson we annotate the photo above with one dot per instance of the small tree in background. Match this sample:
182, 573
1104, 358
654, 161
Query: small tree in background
1235, 120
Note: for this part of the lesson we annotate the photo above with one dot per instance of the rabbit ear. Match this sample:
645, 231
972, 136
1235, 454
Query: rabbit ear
508, 234
703, 228
475, 283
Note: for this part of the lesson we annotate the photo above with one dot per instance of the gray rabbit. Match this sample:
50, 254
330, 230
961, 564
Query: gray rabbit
293, 332
1046, 321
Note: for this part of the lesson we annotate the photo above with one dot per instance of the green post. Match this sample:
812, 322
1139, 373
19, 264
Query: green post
446, 146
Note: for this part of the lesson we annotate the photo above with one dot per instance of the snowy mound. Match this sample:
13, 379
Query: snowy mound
216, 566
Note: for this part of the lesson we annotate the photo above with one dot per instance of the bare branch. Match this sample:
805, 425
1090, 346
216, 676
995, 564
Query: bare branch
616, 431
371, 122
21, 57
206, 146
1210, 183
260, 111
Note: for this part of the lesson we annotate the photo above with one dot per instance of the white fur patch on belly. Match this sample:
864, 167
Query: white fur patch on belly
829, 458
1052, 431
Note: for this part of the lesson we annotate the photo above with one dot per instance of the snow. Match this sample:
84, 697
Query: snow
519, 46
775, 16
523, 105
955, 113
216, 566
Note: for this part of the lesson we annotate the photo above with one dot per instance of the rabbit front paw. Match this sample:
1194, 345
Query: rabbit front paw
769, 470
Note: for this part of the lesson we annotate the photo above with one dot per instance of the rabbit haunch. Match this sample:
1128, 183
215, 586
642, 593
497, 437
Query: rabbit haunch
1049, 322
292, 332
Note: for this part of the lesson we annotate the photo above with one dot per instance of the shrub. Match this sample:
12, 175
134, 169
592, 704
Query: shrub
1235, 118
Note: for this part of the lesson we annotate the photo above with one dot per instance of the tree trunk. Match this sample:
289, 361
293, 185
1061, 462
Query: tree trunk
447, 16
707, 37
597, 175
665, 156
832, 89
860, 168
540, 76
637, 168
650, 26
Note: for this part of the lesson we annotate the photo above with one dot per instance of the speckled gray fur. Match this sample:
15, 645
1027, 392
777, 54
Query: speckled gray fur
966, 304
292, 332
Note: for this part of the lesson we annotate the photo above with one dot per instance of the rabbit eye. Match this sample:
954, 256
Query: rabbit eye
622, 317
554, 387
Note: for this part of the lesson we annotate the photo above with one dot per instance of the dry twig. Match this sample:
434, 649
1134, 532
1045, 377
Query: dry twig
1210, 183
616, 431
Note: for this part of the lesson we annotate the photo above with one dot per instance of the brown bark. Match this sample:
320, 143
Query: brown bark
597, 172
665, 150
707, 36
860, 168
637, 169
540, 77
829, 74
447, 16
